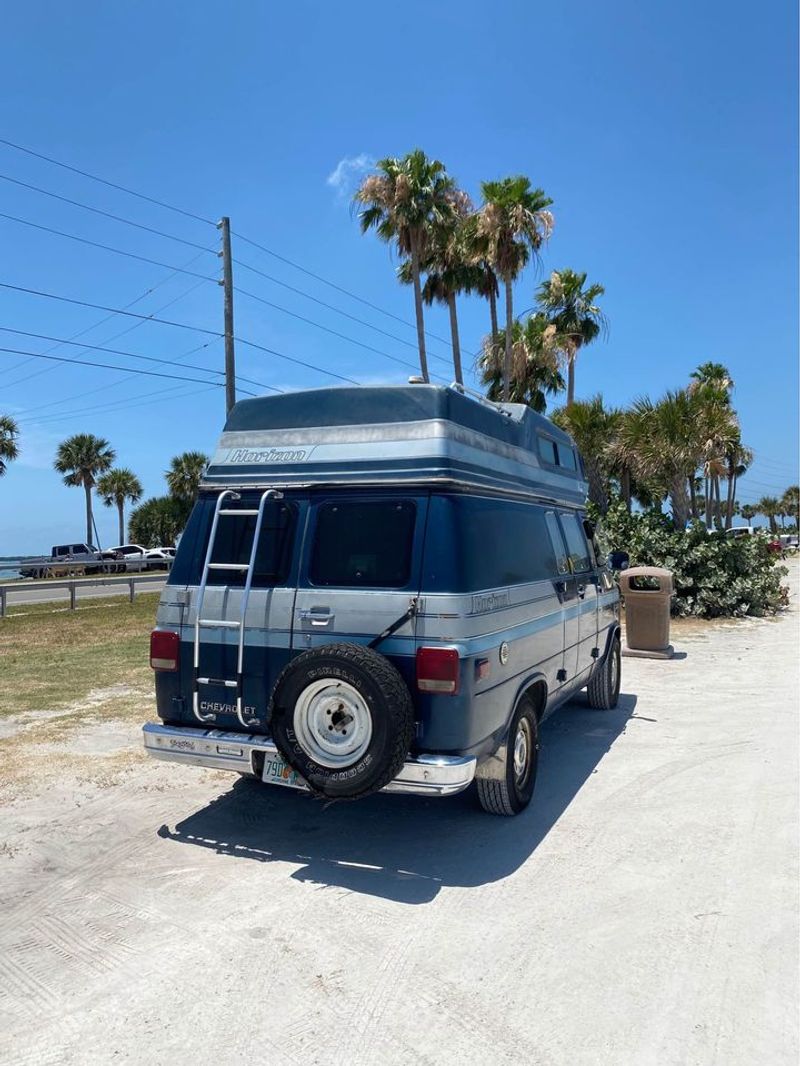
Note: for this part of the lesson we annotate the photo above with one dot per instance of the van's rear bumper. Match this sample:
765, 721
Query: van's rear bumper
427, 775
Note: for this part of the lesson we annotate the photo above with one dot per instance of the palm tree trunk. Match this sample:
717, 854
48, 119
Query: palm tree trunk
717, 503
120, 506
707, 488
693, 497
625, 485
570, 379
509, 331
493, 313
423, 357
451, 305
87, 488
679, 501
729, 499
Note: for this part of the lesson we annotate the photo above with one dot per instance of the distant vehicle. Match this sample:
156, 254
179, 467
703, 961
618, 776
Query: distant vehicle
789, 541
73, 560
742, 531
135, 556
159, 558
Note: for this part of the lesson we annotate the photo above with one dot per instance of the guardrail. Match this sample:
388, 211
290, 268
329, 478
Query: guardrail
74, 584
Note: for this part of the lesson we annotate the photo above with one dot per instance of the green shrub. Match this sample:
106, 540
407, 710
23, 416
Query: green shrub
715, 575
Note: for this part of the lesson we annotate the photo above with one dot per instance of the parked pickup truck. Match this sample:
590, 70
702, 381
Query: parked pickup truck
73, 560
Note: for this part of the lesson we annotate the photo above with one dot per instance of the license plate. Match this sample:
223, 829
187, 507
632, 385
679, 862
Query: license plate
278, 772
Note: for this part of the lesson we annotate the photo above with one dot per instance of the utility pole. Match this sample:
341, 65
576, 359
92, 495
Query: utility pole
224, 225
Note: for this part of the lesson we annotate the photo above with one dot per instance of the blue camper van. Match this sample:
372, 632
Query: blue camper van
383, 588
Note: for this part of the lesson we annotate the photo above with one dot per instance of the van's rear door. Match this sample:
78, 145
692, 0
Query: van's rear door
360, 571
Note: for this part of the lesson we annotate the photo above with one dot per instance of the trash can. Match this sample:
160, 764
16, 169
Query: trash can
647, 591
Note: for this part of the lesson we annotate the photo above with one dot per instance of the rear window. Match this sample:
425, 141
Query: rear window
363, 544
577, 545
234, 542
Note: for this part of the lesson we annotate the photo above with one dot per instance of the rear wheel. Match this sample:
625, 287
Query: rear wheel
513, 794
603, 688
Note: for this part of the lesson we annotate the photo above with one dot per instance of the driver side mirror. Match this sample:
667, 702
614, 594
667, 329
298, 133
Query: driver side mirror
618, 560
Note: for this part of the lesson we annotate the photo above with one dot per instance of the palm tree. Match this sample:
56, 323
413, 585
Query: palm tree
790, 503
593, 428
770, 507
661, 442
9, 449
185, 474
534, 364
80, 459
712, 375
157, 521
115, 489
449, 271
748, 512
405, 202
512, 224
572, 307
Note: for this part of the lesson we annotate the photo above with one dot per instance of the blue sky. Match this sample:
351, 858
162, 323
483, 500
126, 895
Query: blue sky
665, 134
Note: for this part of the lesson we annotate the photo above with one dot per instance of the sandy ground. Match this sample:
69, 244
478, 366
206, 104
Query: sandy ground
642, 911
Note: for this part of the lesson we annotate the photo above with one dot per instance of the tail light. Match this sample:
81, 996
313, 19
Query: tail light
164, 647
437, 670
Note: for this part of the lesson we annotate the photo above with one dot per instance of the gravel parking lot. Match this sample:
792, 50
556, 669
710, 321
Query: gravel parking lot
643, 910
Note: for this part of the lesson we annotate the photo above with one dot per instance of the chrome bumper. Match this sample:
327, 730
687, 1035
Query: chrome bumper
426, 775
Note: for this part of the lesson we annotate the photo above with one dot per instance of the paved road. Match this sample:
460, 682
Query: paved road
643, 911
21, 593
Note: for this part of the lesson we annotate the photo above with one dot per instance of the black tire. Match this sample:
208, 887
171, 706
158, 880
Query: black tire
603, 688
513, 794
382, 714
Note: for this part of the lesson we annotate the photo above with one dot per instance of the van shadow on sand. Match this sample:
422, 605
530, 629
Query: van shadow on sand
405, 848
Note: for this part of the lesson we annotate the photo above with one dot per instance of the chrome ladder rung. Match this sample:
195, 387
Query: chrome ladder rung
228, 566
221, 622
248, 513
216, 681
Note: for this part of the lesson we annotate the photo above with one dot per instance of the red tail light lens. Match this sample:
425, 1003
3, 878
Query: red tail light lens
164, 647
437, 670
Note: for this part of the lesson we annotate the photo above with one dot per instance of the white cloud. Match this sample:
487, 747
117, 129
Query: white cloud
344, 175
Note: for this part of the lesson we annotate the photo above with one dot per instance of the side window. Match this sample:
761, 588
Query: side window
363, 544
557, 540
547, 451
577, 546
566, 457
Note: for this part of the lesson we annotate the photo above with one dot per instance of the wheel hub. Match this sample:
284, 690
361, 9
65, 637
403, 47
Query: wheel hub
332, 723
521, 750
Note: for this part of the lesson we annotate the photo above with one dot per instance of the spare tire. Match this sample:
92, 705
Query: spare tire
342, 717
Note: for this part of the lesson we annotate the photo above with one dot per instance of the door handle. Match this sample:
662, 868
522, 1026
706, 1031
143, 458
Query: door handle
317, 616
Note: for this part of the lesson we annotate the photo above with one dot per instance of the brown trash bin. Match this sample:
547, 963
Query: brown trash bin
647, 591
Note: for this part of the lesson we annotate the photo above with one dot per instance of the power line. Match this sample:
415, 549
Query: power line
337, 310
107, 247
205, 277
103, 388
110, 366
108, 214
139, 400
169, 322
333, 285
104, 181
207, 221
113, 337
129, 355
310, 321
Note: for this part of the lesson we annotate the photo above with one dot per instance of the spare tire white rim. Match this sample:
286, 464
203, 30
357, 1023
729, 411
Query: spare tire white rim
332, 723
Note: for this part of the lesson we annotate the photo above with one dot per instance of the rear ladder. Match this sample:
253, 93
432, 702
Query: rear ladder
222, 623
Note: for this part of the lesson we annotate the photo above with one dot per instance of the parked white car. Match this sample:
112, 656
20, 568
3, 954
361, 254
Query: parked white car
134, 555
159, 558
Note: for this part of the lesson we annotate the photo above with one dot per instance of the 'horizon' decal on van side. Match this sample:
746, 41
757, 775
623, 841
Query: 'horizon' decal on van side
489, 601
245, 456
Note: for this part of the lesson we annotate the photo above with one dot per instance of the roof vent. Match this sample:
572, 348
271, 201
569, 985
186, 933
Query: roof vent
416, 379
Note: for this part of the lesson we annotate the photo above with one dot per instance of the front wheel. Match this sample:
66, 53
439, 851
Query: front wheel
603, 688
513, 794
